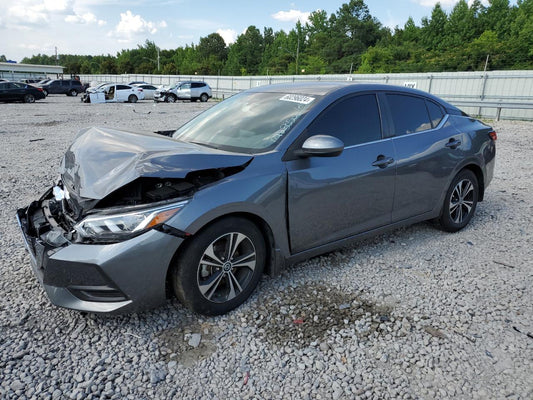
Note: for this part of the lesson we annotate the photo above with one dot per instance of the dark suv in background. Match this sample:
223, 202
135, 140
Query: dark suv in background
70, 87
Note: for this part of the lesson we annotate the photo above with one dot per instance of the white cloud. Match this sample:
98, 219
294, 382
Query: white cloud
26, 16
24, 13
86, 18
229, 35
131, 25
292, 16
60, 6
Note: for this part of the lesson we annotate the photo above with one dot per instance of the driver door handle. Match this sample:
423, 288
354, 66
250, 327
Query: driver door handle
382, 161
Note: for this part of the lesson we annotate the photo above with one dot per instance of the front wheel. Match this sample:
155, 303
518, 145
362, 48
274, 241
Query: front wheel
132, 98
221, 266
460, 202
171, 99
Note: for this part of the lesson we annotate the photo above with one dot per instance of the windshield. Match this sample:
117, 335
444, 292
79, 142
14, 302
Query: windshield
247, 122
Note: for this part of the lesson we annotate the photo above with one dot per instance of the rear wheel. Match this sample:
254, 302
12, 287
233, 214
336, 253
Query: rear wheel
132, 98
73, 93
29, 98
204, 97
221, 266
460, 202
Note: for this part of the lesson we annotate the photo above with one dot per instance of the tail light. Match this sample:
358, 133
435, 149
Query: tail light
493, 135
39, 89
140, 90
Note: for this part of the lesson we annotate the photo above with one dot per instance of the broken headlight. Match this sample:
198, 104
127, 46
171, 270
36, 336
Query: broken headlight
117, 227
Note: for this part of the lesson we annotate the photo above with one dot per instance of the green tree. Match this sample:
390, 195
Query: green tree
212, 54
434, 29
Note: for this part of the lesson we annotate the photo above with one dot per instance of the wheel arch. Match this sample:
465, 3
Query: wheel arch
476, 169
272, 265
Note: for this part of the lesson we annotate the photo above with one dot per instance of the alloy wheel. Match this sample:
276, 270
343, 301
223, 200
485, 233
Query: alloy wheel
461, 201
226, 267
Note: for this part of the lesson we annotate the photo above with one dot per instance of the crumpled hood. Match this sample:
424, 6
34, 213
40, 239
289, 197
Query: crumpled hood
101, 160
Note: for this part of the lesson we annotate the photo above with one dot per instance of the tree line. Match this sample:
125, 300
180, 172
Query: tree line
471, 37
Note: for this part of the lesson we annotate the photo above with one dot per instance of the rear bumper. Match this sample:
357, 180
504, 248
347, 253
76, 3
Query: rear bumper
103, 278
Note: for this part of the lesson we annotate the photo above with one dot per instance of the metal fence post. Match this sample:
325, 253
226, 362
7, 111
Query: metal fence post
483, 87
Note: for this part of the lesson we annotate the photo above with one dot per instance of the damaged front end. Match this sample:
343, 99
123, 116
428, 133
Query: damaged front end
98, 240
91, 263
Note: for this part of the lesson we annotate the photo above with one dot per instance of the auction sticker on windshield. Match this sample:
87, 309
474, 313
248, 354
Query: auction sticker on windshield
298, 98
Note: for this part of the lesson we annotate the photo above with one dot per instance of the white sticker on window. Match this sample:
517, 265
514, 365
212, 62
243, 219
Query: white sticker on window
298, 98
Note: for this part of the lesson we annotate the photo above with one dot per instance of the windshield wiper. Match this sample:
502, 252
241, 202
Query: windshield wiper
212, 146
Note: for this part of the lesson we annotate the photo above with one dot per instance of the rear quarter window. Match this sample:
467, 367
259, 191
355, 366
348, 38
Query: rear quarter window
435, 113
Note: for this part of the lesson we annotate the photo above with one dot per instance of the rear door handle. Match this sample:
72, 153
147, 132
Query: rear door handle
382, 161
453, 143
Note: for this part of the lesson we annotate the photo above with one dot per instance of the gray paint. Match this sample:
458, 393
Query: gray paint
310, 204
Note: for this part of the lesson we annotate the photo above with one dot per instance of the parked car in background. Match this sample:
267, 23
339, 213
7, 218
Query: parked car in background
70, 87
114, 93
137, 83
30, 81
18, 91
98, 86
42, 82
266, 178
188, 90
148, 90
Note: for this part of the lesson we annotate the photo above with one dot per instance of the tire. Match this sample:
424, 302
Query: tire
73, 93
171, 98
132, 98
204, 97
204, 278
460, 202
29, 98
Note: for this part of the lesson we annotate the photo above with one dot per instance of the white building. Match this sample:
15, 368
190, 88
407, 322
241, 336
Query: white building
14, 71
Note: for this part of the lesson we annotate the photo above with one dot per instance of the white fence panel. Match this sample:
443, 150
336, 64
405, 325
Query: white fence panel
500, 86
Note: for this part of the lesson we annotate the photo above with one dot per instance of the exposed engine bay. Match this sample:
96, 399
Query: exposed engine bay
54, 216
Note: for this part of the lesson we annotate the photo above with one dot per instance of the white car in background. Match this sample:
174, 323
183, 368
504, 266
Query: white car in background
187, 90
115, 93
148, 90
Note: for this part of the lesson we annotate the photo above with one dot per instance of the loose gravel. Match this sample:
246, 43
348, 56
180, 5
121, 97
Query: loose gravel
416, 313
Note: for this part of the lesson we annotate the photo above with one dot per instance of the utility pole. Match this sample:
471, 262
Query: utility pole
297, 53
486, 63
56, 55
157, 58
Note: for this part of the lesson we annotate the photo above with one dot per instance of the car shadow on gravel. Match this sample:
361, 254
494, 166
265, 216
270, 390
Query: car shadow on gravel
298, 317
304, 315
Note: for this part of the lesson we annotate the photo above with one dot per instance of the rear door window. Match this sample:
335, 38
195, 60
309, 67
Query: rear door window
409, 114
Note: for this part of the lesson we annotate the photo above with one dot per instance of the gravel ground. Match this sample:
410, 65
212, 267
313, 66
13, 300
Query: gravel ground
415, 313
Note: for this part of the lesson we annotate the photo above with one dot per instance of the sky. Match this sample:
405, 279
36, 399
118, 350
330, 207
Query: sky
29, 27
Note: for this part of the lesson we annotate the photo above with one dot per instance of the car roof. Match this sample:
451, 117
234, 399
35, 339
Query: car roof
343, 87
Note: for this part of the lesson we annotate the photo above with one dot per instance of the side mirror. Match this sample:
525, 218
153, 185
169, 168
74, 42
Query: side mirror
322, 146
